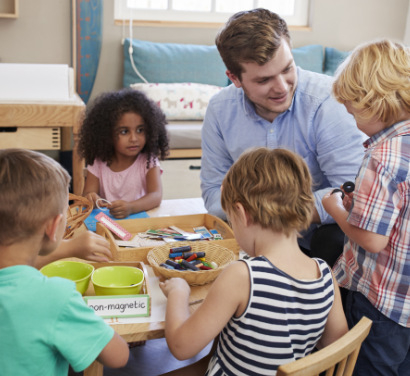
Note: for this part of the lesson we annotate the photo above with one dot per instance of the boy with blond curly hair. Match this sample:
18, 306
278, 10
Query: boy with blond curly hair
374, 85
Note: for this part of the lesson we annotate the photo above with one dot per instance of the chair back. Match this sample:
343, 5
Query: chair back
342, 354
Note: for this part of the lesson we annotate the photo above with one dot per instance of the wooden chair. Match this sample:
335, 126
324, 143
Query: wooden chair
342, 353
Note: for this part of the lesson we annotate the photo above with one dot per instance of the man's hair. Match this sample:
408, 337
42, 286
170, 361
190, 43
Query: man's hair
274, 187
33, 188
251, 36
375, 78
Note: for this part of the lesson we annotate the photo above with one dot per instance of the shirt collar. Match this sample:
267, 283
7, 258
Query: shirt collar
398, 129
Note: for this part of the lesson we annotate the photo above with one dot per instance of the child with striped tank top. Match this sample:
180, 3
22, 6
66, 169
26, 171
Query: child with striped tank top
275, 307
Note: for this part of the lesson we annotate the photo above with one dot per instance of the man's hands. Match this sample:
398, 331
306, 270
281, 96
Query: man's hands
120, 209
172, 284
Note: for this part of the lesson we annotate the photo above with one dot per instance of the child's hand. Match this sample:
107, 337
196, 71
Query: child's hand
93, 197
120, 209
90, 246
174, 284
331, 201
347, 201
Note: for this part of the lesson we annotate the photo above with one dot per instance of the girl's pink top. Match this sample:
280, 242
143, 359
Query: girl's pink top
127, 185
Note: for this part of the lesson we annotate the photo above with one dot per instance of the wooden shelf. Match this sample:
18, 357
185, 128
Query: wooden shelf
9, 9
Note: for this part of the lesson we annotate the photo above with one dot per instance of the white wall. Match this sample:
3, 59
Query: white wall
42, 33
406, 38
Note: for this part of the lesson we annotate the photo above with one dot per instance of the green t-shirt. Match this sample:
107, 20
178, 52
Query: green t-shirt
45, 325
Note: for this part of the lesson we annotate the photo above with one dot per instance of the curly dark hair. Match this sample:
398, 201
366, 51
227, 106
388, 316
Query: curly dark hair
101, 117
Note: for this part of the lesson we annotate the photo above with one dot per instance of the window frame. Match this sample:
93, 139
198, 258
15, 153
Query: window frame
212, 19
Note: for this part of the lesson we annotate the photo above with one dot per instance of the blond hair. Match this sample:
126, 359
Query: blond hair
33, 188
251, 36
274, 187
375, 78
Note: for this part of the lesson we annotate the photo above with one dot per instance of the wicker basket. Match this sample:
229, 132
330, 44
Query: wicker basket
214, 252
78, 211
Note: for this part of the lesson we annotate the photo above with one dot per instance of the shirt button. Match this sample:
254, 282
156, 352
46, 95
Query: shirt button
271, 131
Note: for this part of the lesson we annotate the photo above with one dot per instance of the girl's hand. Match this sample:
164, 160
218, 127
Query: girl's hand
174, 284
120, 209
93, 197
331, 202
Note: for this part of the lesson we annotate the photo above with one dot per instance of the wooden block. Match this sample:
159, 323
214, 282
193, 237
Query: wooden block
145, 288
185, 153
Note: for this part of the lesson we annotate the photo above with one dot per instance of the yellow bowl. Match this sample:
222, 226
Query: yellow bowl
117, 280
78, 272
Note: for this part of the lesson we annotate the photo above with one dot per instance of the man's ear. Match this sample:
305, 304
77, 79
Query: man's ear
52, 227
235, 80
243, 214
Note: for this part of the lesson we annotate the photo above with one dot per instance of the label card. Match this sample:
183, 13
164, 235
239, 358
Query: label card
113, 226
119, 305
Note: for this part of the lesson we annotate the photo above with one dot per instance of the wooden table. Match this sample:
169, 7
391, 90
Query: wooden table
36, 121
154, 330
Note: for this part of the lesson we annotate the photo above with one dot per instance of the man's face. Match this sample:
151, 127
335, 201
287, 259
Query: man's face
270, 86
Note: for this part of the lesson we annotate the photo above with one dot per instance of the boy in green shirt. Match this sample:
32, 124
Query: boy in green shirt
44, 322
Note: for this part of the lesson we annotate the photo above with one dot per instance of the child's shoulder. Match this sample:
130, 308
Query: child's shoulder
26, 286
394, 155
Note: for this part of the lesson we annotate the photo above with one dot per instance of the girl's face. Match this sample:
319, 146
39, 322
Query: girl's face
129, 135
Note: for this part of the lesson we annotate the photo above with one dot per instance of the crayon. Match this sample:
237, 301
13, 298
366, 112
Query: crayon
187, 265
185, 248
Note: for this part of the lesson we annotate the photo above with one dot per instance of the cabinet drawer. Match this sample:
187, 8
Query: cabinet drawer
180, 178
30, 138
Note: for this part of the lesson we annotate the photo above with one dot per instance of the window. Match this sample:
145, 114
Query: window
294, 12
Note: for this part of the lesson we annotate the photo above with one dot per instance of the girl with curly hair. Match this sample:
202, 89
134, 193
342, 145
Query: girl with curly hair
122, 137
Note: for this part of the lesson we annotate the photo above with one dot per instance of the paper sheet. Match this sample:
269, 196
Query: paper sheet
91, 222
158, 305
34, 82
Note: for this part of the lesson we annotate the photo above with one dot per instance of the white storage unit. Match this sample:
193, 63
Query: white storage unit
180, 178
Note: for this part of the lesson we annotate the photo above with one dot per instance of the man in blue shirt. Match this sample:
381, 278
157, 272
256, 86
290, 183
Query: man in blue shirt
272, 103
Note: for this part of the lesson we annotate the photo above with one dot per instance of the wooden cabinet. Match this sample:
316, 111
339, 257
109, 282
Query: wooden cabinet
180, 178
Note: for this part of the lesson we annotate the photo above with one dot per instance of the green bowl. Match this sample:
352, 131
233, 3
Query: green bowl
117, 280
78, 272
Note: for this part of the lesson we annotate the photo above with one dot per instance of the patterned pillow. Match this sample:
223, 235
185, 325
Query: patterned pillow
183, 101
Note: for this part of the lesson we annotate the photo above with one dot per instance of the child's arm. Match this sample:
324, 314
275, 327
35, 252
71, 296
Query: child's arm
115, 354
336, 325
122, 209
87, 246
369, 241
91, 188
187, 334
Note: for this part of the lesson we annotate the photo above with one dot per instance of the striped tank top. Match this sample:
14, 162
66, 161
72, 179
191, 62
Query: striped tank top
283, 321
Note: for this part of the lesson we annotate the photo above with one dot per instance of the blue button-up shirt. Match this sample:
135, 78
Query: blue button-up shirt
315, 126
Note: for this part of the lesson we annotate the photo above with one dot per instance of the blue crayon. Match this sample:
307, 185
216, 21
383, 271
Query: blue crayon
166, 266
174, 264
173, 255
187, 265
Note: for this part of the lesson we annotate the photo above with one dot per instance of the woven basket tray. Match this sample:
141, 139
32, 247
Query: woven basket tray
78, 211
213, 252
